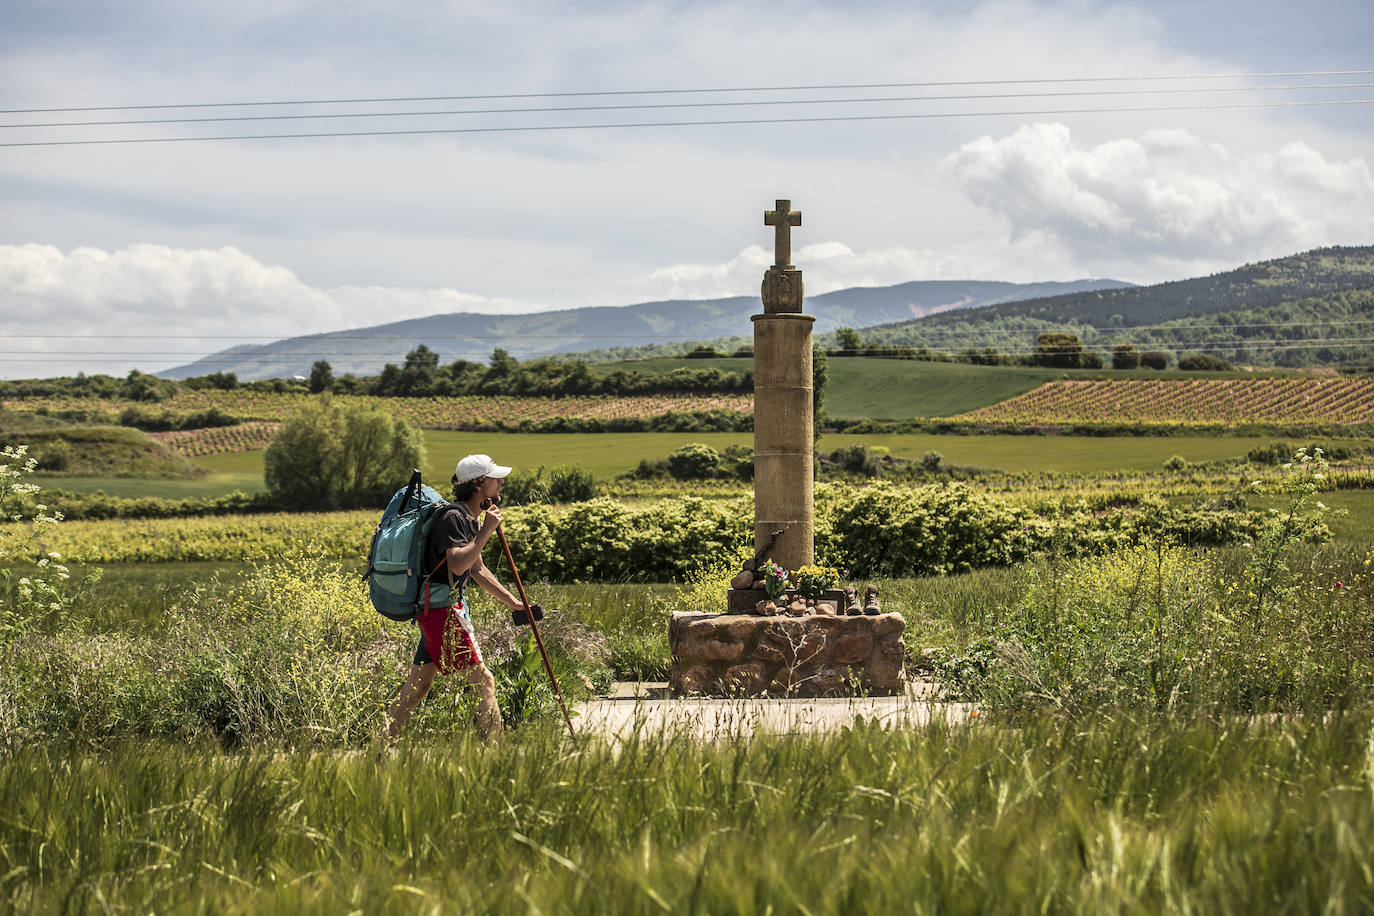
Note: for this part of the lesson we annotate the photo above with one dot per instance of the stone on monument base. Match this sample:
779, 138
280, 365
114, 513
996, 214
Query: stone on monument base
812, 656
746, 600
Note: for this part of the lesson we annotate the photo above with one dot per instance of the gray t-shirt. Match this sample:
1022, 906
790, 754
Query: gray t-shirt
454, 528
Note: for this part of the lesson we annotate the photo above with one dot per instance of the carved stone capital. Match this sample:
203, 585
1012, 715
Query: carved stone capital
782, 290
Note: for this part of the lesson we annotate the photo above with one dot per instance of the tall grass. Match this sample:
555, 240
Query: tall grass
293, 653
1108, 814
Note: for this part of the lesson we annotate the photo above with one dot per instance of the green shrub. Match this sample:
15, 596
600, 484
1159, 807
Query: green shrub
1125, 357
1276, 453
565, 484
1154, 359
571, 484
525, 488
1203, 362
695, 461
56, 455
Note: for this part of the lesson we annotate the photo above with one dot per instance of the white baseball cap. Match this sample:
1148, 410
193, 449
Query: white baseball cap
474, 466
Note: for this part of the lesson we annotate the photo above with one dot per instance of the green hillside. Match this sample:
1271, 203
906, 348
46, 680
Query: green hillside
1314, 308
99, 451
616, 331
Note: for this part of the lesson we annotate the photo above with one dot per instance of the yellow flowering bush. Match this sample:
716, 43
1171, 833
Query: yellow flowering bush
815, 580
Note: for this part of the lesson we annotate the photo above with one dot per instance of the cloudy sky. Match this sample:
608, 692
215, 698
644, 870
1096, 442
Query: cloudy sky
148, 254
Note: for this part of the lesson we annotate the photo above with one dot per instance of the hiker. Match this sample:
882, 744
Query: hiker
447, 642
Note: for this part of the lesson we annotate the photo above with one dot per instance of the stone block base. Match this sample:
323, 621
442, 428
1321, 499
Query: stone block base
812, 656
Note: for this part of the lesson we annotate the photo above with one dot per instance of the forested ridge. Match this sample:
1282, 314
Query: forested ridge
1315, 308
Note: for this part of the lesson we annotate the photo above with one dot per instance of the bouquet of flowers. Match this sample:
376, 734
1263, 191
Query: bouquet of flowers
774, 579
814, 581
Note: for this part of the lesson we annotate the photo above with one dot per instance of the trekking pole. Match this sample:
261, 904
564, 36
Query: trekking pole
534, 625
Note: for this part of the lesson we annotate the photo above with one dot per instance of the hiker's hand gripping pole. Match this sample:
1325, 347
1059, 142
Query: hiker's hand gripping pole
534, 625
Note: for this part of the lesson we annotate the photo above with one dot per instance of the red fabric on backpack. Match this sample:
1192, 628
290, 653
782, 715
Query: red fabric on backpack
449, 639
448, 635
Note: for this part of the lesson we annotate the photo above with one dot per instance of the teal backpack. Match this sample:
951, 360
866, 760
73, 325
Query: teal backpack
395, 577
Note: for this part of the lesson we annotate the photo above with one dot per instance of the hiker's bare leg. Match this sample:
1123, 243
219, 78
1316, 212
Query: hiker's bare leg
488, 713
417, 684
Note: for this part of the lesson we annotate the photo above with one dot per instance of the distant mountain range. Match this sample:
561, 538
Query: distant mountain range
465, 335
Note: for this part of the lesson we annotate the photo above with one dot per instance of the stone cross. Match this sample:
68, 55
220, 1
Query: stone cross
783, 409
782, 219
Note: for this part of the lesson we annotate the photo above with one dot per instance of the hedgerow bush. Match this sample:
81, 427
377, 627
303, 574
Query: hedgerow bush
603, 540
885, 530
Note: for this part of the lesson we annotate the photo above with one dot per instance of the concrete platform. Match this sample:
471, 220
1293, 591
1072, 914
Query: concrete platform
638, 708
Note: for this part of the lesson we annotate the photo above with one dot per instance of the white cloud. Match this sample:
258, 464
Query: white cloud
1165, 198
152, 286
108, 311
828, 266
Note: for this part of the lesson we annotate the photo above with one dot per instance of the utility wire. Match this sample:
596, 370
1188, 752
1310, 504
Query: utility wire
710, 123
632, 92
685, 105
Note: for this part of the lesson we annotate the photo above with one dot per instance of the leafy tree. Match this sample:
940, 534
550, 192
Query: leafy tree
328, 455
388, 382
502, 375
848, 341
321, 377
1154, 359
419, 373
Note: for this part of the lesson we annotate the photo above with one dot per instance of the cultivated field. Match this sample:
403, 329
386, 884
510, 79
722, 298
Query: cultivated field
219, 440
430, 413
1197, 402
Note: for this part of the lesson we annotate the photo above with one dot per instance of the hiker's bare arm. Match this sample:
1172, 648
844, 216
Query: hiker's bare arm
492, 586
468, 558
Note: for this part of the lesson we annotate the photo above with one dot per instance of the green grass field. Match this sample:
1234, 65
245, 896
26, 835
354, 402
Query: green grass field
900, 389
609, 454
213, 484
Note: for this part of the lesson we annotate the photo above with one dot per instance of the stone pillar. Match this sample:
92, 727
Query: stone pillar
783, 409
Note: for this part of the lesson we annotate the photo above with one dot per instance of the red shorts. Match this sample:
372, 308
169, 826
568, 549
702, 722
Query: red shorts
447, 640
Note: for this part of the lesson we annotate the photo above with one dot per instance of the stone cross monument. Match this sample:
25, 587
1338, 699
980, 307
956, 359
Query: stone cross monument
783, 409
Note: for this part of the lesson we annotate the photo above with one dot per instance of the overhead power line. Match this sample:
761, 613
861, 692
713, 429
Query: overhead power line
750, 103
713, 89
528, 128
